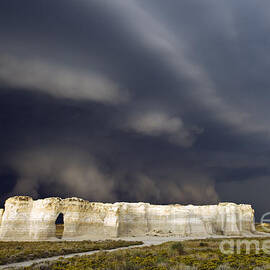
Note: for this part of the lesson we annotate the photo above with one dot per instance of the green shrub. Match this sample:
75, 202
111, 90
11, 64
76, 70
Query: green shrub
178, 247
203, 244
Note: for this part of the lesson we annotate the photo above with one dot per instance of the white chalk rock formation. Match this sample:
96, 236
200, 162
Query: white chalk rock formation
28, 219
1, 214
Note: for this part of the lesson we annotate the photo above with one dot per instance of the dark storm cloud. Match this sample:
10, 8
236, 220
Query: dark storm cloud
135, 100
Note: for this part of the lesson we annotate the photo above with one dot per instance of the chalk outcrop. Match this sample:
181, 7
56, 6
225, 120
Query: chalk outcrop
1, 214
28, 219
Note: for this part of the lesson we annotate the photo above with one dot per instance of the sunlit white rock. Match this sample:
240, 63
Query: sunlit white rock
28, 219
1, 214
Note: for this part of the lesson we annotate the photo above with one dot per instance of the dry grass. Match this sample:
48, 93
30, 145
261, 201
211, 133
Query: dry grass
11, 252
264, 227
188, 255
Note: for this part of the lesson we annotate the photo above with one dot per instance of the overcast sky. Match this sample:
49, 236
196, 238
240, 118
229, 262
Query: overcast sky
133, 100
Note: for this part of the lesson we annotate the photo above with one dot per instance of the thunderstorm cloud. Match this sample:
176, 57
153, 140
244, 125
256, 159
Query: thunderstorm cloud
134, 100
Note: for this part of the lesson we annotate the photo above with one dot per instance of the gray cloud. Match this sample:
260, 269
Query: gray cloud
161, 124
59, 81
66, 171
188, 82
63, 171
183, 187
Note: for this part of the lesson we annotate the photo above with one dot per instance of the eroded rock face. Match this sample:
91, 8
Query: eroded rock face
1, 214
28, 219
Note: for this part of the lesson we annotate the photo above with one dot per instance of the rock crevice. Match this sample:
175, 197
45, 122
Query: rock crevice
28, 219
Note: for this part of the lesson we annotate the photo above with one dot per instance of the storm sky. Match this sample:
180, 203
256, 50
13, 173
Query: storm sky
134, 100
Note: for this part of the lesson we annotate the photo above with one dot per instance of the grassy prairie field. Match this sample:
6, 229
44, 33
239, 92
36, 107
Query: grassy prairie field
188, 255
11, 252
263, 227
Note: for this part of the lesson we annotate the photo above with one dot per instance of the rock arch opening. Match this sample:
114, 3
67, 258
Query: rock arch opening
59, 226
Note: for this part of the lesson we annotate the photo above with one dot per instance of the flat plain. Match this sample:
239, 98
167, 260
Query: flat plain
12, 251
185, 255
